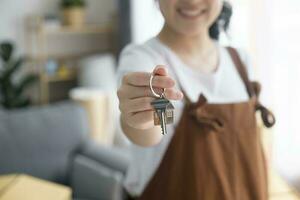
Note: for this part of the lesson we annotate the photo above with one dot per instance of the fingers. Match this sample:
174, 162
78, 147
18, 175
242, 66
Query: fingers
161, 80
136, 105
173, 94
135, 95
143, 79
132, 92
141, 120
160, 70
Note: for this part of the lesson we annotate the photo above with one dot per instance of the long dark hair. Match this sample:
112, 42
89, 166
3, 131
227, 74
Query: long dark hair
222, 22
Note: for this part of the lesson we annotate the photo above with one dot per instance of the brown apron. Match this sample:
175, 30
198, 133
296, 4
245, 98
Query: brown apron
215, 152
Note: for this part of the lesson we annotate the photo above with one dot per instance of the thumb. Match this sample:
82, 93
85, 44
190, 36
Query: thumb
160, 70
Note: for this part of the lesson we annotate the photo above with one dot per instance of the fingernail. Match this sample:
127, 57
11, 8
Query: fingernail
180, 94
163, 67
166, 70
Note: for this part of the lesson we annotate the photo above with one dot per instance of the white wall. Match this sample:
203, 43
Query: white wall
283, 55
14, 12
146, 20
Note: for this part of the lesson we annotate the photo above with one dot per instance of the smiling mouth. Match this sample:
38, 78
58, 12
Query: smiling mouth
191, 13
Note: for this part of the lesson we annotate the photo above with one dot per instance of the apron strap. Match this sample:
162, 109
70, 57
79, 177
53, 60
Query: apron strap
253, 88
242, 72
267, 116
241, 69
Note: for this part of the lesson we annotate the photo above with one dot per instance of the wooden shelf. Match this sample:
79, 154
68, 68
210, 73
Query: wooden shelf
44, 37
68, 56
86, 29
56, 78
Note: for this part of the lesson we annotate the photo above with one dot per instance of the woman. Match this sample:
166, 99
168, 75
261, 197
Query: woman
212, 150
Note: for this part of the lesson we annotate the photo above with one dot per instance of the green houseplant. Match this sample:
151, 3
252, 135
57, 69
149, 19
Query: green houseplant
11, 91
72, 3
73, 12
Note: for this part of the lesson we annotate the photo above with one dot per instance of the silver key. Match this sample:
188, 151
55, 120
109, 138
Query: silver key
163, 109
163, 113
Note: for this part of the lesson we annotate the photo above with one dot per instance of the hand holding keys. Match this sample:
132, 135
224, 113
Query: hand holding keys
137, 103
164, 113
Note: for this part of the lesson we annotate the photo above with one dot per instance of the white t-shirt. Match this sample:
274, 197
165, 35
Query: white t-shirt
222, 86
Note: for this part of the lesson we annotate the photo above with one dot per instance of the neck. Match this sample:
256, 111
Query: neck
185, 44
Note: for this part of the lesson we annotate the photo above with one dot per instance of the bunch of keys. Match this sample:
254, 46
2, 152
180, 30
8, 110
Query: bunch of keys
164, 110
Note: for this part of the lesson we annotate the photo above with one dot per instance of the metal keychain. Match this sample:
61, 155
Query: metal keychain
164, 110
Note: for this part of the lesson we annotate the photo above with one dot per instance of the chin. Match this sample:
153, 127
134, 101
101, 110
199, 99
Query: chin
192, 31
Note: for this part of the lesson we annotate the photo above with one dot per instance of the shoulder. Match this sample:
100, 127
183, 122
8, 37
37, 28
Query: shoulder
247, 61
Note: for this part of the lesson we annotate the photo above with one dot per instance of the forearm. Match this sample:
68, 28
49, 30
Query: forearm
146, 138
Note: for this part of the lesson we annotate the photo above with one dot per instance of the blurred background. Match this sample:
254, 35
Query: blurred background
59, 113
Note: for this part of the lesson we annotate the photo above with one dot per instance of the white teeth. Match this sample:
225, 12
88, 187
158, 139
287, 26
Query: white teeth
190, 13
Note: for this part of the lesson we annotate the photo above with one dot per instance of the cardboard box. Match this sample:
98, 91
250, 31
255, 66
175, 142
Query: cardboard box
20, 186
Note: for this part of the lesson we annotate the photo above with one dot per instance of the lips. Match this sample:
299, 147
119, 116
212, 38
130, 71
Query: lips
191, 13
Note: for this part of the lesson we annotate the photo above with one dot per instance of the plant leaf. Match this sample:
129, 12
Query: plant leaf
72, 3
24, 83
11, 68
6, 50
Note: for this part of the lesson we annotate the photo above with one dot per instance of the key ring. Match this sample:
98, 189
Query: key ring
152, 90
